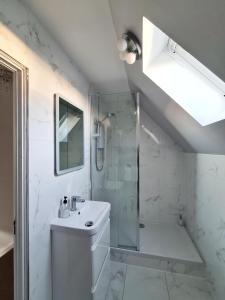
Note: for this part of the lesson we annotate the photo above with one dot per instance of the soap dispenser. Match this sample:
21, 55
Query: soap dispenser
64, 211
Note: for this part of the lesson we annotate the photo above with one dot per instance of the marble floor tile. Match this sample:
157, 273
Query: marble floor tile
181, 287
118, 275
144, 284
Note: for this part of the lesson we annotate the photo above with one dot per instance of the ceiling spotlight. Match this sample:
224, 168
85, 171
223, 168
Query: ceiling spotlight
129, 47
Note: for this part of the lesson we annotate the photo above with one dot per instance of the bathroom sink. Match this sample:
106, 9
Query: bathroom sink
86, 220
80, 246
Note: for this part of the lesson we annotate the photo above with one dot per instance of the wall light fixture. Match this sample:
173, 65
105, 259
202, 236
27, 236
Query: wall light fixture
129, 48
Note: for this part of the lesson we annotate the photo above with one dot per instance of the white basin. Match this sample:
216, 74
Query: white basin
81, 254
90, 211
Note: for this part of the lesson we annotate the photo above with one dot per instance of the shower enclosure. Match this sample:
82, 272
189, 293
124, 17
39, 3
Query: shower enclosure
114, 163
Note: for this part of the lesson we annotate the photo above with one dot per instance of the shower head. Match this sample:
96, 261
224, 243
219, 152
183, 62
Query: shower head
108, 116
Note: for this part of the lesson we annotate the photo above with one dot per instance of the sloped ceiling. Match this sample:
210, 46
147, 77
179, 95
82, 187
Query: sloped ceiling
87, 31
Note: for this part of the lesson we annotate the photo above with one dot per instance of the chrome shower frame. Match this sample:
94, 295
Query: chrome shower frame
138, 140
136, 98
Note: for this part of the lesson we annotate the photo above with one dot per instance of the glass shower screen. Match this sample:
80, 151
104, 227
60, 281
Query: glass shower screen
114, 163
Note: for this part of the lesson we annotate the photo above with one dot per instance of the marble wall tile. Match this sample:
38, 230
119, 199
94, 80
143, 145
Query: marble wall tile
206, 212
161, 174
50, 71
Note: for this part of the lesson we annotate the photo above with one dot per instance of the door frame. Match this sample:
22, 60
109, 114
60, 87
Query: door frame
20, 175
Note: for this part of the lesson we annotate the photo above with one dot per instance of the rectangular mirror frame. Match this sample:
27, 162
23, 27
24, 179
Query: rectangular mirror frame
56, 129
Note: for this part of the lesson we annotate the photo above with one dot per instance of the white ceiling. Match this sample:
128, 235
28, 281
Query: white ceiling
87, 30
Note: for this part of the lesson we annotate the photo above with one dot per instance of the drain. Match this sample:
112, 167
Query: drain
89, 223
141, 225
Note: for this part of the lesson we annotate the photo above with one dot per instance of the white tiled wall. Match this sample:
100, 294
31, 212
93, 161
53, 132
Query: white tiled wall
171, 178
50, 71
161, 174
205, 190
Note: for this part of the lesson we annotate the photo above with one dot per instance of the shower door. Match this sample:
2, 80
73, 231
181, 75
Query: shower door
114, 163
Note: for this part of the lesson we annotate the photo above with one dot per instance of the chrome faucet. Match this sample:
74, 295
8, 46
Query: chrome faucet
73, 203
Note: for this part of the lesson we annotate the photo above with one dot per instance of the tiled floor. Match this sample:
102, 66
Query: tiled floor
129, 282
171, 241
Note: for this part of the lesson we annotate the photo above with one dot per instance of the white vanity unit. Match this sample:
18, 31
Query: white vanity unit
80, 253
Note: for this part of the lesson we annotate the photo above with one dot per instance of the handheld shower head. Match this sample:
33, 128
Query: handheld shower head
108, 116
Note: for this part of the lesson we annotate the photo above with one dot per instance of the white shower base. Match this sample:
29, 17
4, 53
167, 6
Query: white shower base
168, 241
6, 242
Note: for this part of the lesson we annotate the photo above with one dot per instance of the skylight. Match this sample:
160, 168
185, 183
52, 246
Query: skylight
187, 81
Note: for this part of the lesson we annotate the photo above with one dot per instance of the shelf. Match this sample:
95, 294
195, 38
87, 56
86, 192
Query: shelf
6, 242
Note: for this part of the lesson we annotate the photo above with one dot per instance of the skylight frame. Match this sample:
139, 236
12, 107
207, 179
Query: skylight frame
166, 63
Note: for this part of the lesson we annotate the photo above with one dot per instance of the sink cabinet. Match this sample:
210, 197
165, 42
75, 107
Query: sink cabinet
81, 262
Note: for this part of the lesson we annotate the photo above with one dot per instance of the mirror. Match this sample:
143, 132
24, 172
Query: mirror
69, 136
